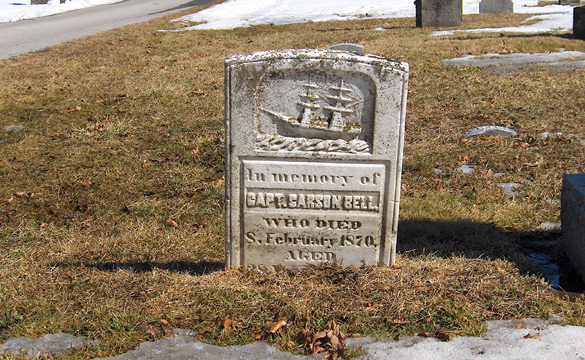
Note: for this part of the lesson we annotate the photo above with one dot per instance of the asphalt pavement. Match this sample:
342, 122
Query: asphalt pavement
21, 37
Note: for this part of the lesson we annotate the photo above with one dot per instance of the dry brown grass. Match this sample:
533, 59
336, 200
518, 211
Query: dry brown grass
111, 199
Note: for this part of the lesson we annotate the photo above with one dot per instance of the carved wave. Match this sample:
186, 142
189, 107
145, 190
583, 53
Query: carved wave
273, 142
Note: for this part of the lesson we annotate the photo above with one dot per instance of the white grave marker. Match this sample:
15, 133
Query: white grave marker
313, 158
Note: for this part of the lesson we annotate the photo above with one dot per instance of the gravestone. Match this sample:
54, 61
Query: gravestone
438, 13
579, 22
313, 158
569, 2
496, 7
573, 220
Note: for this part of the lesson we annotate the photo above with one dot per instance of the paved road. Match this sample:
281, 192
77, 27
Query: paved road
21, 37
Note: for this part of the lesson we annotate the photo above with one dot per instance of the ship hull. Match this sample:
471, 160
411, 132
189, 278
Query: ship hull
291, 129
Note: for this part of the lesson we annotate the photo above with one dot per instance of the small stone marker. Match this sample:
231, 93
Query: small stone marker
496, 7
438, 13
348, 47
573, 220
579, 22
313, 158
490, 130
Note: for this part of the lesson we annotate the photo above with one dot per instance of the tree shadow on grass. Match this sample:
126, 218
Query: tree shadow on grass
183, 266
538, 252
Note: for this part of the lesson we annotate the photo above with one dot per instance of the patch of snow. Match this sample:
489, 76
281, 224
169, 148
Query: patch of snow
549, 226
12, 10
510, 188
466, 169
244, 13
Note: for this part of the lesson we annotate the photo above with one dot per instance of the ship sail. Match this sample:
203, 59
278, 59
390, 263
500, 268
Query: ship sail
337, 122
309, 104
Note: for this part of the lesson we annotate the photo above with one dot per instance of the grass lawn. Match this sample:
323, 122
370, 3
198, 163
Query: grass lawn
112, 196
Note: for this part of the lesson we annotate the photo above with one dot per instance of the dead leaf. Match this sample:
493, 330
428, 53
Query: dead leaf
85, 183
319, 335
171, 222
443, 335
73, 109
530, 336
227, 324
274, 327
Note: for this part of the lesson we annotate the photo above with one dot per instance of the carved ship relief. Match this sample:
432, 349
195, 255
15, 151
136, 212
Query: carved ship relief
328, 116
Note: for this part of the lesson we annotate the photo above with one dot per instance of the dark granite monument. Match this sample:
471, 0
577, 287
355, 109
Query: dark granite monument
438, 13
579, 22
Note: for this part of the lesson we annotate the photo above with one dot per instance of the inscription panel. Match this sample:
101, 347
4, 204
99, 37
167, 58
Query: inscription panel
310, 213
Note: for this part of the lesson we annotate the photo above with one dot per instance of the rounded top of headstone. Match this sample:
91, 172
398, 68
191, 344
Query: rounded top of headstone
357, 48
317, 54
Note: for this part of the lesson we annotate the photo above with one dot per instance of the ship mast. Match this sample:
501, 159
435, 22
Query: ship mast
308, 104
337, 122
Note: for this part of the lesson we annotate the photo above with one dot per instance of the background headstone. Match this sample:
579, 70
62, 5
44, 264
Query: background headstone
573, 220
438, 13
313, 158
496, 7
579, 22
569, 2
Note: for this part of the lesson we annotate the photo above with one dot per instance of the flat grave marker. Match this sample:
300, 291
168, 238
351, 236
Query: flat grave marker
313, 158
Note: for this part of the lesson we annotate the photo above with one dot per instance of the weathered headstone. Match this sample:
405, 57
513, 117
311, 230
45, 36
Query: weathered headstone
496, 7
573, 220
313, 158
579, 22
438, 13
569, 2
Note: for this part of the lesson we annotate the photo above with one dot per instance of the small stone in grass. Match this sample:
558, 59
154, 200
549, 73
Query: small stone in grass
490, 130
15, 128
510, 188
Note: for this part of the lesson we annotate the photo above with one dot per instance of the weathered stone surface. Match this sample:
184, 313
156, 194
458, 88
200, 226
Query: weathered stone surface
438, 13
569, 2
187, 348
50, 344
313, 158
496, 7
357, 48
579, 22
573, 220
490, 130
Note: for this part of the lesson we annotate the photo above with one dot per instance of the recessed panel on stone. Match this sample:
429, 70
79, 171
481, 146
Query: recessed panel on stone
313, 158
